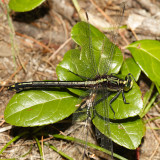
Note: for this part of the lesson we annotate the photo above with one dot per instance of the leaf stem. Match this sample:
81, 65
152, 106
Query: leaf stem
148, 107
59, 152
40, 148
148, 95
13, 140
88, 144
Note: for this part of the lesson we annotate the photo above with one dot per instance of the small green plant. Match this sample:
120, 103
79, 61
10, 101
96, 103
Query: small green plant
38, 107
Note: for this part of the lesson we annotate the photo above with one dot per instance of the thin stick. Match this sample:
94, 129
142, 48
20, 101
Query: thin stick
62, 46
155, 134
154, 152
34, 40
134, 34
102, 12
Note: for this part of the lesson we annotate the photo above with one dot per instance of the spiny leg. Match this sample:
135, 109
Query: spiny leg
124, 99
114, 98
96, 103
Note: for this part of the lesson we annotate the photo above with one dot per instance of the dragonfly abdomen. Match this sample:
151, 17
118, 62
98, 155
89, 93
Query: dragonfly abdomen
18, 87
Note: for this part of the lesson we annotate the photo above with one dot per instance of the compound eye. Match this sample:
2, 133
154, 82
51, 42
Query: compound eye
127, 86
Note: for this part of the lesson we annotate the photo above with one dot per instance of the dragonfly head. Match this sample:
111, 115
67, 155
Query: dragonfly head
128, 83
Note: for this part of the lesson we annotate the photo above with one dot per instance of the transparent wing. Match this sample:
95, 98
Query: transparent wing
109, 49
82, 119
95, 107
84, 38
101, 120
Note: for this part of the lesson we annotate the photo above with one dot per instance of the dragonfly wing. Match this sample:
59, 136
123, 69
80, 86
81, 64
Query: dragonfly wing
82, 119
109, 49
101, 114
84, 35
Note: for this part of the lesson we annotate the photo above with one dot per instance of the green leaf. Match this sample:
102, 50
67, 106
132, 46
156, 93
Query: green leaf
147, 55
127, 133
95, 43
130, 66
23, 6
37, 108
133, 97
76, 62
68, 66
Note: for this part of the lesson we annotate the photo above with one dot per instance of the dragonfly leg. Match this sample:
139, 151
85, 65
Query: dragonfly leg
130, 74
113, 99
124, 99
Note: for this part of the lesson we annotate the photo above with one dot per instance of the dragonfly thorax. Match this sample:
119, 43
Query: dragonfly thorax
114, 84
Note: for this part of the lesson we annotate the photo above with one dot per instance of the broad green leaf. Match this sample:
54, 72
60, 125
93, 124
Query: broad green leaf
23, 6
71, 63
147, 55
95, 46
130, 66
127, 133
37, 108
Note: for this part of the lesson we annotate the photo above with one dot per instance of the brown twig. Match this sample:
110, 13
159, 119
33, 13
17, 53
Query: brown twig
134, 33
156, 136
42, 146
63, 23
151, 157
62, 46
108, 19
34, 40
123, 37
102, 12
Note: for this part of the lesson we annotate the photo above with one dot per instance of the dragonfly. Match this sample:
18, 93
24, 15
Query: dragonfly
98, 84
108, 82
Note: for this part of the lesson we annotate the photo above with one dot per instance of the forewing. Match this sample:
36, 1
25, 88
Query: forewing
90, 40
109, 49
